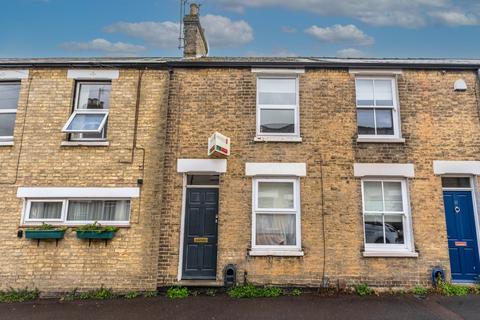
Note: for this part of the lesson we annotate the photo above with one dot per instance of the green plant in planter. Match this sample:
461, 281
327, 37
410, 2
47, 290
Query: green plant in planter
96, 231
45, 231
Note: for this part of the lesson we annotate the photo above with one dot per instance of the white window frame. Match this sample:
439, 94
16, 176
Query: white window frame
273, 249
407, 246
86, 111
10, 111
296, 133
28, 207
65, 203
395, 108
77, 111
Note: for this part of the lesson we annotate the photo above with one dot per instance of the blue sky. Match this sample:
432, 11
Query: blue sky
355, 28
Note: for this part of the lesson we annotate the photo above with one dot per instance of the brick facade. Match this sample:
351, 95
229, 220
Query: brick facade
178, 112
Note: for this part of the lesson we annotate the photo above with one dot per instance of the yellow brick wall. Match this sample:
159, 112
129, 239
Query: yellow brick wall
437, 123
129, 261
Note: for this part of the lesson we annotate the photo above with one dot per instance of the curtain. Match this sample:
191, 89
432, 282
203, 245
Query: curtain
46, 210
98, 210
275, 229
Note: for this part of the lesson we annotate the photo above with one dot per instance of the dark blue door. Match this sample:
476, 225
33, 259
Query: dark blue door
200, 242
462, 235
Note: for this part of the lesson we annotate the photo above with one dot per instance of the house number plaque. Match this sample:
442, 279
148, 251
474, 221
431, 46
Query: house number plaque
200, 240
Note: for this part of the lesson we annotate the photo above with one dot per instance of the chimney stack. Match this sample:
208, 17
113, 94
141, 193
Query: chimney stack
195, 45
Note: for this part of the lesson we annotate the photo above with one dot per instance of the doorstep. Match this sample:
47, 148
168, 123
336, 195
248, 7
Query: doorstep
200, 283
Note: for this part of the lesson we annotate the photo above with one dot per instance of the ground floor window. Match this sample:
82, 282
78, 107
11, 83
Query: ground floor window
386, 215
77, 211
276, 214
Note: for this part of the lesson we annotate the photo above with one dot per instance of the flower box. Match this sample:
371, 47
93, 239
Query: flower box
44, 234
101, 235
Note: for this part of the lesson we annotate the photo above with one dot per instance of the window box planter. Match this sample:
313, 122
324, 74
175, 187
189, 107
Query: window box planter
95, 231
44, 234
92, 235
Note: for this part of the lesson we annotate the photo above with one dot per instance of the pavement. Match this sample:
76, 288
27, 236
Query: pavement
307, 306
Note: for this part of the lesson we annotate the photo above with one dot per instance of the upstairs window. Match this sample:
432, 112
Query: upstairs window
9, 93
89, 118
377, 107
277, 106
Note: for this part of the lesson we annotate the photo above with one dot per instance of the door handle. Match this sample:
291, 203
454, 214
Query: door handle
457, 209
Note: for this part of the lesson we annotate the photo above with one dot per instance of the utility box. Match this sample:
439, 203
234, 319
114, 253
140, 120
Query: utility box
218, 146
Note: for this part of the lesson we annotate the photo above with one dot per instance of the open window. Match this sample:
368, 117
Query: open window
89, 117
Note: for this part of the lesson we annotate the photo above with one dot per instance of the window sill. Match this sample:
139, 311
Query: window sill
390, 254
85, 144
72, 225
380, 140
6, 143
278, 253
277, 139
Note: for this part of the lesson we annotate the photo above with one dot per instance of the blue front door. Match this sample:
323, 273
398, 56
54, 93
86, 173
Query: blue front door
462, 235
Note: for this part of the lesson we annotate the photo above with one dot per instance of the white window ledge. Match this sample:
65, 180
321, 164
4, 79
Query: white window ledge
277, 139
390, 254
6, 143
85, 144
278, 253
380, 140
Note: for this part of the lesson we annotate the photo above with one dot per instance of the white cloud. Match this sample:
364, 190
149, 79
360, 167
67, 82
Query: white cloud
220, 32
341, 33
350, 53
223, 32
403, 13
103, 45
162, 35
455, 18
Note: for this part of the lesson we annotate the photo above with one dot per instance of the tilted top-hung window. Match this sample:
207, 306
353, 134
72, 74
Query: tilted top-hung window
277, 106
276, 215
377, 107
9, 92
386, 215
89, 118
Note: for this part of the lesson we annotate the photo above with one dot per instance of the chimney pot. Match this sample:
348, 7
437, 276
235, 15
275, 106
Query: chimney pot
194, 9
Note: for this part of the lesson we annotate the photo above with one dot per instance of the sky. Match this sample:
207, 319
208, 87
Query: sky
333, 28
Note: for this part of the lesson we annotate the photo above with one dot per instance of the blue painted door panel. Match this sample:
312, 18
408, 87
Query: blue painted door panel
200, 239
462, 235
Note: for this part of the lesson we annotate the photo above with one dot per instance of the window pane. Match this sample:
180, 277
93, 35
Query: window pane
372, 192
9, 93
86, 122
366, 121
364, 90
277, 121
94, 96
384, 121
374, 229
455, 182
7, 124
98, 210
275, 229
394, 229
383, 93
205, 180
393, 196
277, 91
275, 195
45, 210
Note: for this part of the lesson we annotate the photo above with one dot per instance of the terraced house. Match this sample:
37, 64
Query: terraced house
328, 171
